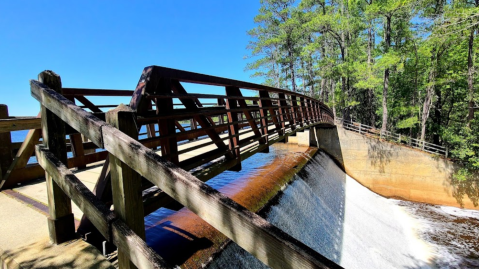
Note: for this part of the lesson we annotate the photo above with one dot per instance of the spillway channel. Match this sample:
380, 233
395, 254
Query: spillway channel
303, 192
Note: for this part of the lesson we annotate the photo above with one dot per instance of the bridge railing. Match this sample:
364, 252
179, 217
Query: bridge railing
15, 163
162, 101
130, 160
394, 137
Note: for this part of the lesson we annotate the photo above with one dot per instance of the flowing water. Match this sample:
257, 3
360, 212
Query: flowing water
342, 220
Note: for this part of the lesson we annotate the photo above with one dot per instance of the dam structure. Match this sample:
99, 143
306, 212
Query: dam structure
255, 177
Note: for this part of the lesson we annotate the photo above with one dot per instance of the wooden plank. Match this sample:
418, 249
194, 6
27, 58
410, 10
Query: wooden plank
17, 124
185, 76
82, 121
95, 92
126, 183
251, 232
5, 146
61, 223
88, 104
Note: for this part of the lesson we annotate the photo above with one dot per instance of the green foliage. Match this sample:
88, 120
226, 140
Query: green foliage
336, 51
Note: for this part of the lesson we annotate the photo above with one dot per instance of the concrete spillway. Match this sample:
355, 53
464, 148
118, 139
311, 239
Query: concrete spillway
339, 218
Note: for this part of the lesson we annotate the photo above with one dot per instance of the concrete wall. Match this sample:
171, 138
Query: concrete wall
396, 171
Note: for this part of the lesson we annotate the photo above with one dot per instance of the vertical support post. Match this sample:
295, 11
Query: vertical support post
264, 121
266, 102
5, 145
77, 149
125, 182
233, 128
169, 146
302, 110
297, 113
311, 111
282, 116
61, 224
359, 128
447, 152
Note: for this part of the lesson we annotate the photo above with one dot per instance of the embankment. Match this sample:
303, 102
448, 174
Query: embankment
397, 171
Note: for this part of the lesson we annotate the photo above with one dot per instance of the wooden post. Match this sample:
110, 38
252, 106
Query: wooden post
264, 121
5, 145
61, 224
77, 149
169, 146
233, 128
125, 182
359, 128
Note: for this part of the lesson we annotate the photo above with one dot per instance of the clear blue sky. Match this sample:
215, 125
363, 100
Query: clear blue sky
106, 44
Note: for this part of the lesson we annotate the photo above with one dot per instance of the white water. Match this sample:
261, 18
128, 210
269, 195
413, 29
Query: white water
342, 220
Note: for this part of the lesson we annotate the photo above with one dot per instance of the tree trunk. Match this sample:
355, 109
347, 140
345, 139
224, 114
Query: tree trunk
291, 67
372, 114
428, 100
470, 77
386, 76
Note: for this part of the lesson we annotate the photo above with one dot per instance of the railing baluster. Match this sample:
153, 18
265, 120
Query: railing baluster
126, 183
233, 128
5, 146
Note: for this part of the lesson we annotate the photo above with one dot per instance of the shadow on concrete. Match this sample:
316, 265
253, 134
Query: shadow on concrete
379, 153
42, 255
468, 187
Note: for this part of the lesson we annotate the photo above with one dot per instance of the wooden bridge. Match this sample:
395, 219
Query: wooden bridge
221, 133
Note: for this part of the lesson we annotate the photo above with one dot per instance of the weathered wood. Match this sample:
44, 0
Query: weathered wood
111, 228
78, 151
22, 156
61, 224
166, 126
95, 92
233, 130
10, 124
88, 104
82, 121
126, 183
247, 229
99, 214
25, 174
5, 146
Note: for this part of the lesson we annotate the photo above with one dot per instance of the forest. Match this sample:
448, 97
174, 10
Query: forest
399, 65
